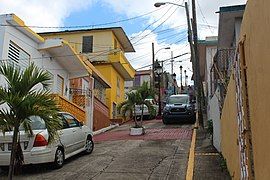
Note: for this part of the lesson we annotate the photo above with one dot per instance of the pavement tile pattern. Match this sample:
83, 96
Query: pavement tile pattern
151, 134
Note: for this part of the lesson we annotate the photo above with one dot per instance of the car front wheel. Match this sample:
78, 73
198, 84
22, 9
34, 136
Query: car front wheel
165, 121
89, 145
59, 158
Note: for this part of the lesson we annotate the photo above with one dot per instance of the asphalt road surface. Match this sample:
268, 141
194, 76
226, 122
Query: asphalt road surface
162, 153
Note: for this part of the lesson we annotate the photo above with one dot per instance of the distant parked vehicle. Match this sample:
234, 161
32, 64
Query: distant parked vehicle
146, 113
74, 137
179, 108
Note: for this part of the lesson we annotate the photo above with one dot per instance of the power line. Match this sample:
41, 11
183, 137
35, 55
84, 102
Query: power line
162, 61
204, 17
157, 26
84, 26
151, 24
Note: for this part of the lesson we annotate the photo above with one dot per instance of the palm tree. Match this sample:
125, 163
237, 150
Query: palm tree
128, 106
137, 98
25, 94
145, 92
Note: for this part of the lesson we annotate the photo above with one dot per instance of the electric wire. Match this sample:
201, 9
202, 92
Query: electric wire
156, 27
84, 26
204, 19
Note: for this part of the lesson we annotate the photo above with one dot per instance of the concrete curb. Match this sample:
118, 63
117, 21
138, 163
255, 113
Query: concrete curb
191, 157
112, 126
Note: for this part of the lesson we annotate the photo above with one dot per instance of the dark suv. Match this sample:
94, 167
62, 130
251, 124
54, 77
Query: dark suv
179, 108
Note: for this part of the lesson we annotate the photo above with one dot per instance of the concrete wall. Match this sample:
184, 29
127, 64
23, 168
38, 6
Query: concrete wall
101, 115
102, 43
111, 76
229, 132
256, 28
214, 114
255, 36
9, 33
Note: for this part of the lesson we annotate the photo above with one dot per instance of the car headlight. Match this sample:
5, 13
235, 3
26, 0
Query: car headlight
189, 108
166, 108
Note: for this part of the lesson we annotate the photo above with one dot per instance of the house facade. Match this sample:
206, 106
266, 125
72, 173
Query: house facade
21, 46
105, 48
207, 50
244, 120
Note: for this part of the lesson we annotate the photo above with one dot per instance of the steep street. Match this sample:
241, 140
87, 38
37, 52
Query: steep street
160, 154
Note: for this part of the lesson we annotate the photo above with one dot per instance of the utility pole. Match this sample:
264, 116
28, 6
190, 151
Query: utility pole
197, 66
189, 36
153, 66
171, 62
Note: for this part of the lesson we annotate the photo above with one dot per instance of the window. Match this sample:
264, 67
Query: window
72, 122
118, 87
115, 44
87, 45
60, 85
18, 56
137, 81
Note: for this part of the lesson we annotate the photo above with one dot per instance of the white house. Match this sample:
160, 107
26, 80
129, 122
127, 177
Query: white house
21, 46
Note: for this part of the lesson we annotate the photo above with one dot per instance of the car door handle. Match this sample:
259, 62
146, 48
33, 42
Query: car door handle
74, 130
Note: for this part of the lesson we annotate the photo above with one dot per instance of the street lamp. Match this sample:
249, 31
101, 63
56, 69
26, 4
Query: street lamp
153, 68
158, 71
174, 82
186, 80
181, 68
158, 4
185, 72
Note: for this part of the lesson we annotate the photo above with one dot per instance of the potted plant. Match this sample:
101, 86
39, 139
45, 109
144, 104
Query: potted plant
135, 99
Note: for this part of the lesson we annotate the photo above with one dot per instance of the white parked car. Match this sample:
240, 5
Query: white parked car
73, 138
146, 113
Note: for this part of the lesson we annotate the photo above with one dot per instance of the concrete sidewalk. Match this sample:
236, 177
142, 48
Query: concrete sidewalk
208, 162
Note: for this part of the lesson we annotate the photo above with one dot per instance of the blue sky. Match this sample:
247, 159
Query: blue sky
168, 31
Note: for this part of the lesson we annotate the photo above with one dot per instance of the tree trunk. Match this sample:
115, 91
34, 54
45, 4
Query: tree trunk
13, 150
142, 106
135, 120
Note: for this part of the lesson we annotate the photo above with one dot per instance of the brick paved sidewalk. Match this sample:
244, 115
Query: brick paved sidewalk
151, 134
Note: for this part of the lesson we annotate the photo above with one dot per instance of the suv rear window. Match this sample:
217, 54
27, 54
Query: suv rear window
178, 100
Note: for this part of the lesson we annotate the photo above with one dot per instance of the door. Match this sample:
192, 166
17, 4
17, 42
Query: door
66, 136
79, 137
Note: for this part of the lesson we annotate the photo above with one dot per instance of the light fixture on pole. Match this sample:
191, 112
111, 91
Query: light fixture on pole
186, 77
174, 83
158, 4
181, 86
158, 71
154, 56
185, 72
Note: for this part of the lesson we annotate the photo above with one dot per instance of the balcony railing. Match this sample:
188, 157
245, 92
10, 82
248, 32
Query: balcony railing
68, 106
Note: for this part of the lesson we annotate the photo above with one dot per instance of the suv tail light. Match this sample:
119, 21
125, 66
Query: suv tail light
40, 141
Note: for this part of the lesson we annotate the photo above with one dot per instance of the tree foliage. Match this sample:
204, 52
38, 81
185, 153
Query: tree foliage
26, 93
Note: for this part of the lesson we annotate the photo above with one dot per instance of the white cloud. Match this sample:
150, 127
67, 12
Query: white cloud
207, 19
54, 12
43, 13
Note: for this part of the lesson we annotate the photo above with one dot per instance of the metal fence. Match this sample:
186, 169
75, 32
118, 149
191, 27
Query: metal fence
221, 71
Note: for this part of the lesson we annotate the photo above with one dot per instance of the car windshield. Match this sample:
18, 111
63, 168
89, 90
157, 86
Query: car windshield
36, 123
178, 100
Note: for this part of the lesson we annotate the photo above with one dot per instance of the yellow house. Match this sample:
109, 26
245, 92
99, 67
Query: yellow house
105, 48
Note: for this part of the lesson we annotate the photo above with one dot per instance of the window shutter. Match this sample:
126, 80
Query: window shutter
60, 85
18, 56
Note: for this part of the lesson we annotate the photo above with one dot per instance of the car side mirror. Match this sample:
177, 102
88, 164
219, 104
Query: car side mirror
81, 123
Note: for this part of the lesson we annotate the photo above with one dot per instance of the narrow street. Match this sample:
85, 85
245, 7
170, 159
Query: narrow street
162, 153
